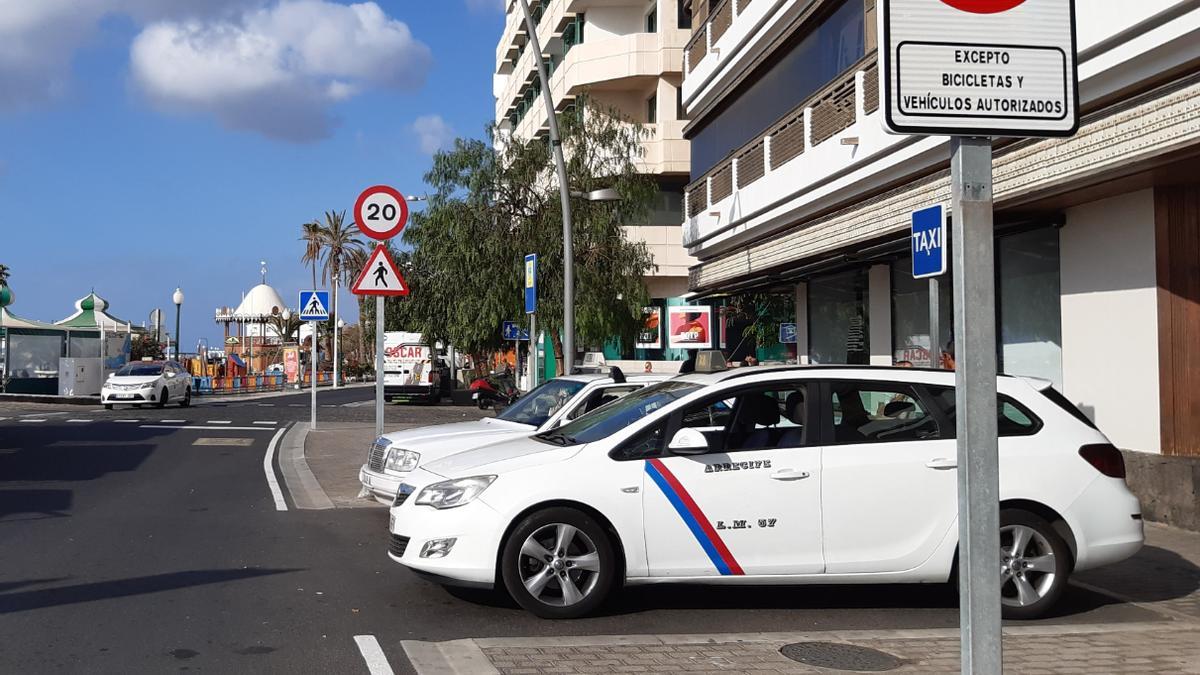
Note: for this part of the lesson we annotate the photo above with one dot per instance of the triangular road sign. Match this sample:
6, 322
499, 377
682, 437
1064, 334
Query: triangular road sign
380, 276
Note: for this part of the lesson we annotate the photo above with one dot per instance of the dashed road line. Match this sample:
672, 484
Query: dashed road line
43, 414
295, 405
273, 482
31, 421
197, 427
372, 653
126, 421
218, 422
271, 422
172, 421
78, 421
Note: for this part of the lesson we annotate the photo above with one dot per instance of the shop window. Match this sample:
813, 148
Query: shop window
1029, 303
910, 315
837, 318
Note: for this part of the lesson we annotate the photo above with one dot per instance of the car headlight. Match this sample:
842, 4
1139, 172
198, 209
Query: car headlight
402, 460
451, 493
148, 385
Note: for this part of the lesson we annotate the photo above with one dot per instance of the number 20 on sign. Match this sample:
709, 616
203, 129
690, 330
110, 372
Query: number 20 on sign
380, 212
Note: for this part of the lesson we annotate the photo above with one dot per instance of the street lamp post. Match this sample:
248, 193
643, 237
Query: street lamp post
178, 298
568, 336
341, 323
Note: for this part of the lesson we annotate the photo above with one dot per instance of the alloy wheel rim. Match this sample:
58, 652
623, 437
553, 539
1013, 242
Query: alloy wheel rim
1027, 566
559, 565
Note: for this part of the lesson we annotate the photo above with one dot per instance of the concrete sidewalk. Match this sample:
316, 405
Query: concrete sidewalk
1163, 578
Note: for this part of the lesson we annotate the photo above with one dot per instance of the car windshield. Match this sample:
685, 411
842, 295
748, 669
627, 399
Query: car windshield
140, 370
540, 404
619, 414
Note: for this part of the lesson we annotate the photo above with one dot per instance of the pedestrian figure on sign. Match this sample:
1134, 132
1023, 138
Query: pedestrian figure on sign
380, 274
314, 306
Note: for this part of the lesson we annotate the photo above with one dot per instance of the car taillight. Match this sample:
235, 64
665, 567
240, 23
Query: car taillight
1106, 458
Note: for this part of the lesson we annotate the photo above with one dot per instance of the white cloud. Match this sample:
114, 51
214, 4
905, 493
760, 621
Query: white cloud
433, 133
39, 38
277, 70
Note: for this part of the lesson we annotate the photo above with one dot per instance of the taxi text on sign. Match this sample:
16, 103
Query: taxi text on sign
979, 67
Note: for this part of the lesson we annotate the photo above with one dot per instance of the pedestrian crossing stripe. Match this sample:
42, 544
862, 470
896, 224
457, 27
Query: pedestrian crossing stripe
314, 305
380, 276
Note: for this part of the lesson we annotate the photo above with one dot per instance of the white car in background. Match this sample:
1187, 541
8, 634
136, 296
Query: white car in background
157, 382
393, 456
814, 475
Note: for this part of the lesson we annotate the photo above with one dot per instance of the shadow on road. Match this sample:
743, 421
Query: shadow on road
1152, 575
119, 588
41, 503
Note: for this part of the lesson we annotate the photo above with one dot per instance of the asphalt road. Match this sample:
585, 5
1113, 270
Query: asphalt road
147, 540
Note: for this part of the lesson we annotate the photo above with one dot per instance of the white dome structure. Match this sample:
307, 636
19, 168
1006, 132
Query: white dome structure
260, 304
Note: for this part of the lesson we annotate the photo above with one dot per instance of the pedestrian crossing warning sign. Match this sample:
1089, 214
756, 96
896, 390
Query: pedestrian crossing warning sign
314, 305
380, 276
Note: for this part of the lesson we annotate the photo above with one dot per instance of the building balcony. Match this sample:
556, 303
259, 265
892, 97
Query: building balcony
666, 151
834, 128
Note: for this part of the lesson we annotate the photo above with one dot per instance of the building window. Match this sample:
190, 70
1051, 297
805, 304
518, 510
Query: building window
652, 20
684, 17
910, 315
837, 318
573, 33
652, 109
680, 111
1029, 304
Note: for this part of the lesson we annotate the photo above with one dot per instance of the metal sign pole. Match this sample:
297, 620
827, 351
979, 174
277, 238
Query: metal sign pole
935, 326
975, 401
378, 366
533, 365
315, 372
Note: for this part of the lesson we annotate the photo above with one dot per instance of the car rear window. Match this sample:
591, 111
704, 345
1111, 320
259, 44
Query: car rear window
1013, 419
1063, 402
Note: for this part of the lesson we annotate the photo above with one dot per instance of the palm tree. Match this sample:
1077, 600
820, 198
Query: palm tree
356, 260
4, 275
312, 247
338, 241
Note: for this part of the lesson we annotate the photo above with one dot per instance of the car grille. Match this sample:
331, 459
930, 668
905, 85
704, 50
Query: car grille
378, 452
398, 545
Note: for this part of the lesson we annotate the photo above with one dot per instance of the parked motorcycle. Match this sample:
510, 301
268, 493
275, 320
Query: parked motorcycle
496, 390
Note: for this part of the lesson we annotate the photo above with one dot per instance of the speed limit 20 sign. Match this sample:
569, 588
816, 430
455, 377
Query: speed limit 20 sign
979, 67
380, 212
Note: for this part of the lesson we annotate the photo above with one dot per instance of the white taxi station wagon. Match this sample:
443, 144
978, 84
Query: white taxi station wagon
558, 401
767, 476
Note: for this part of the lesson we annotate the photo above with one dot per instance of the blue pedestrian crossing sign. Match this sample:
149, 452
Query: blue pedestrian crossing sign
314, 305
929, 242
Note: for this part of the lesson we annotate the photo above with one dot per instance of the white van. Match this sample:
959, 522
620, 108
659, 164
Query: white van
411, 371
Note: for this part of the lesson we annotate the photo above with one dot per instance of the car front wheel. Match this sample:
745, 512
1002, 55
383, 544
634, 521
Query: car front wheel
162, 398
559, 563
1034, 565
187, 398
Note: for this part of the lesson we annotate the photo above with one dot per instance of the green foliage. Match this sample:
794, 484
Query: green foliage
764, 311
145, 346
4, 275
491, 204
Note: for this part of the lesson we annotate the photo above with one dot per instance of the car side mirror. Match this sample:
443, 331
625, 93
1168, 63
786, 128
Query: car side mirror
688, 441
169, 375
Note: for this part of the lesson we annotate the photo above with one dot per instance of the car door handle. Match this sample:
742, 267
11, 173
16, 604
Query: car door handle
942, 463
789, 474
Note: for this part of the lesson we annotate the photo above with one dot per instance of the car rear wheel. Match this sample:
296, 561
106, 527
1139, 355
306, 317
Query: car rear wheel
1034, 565
559, 563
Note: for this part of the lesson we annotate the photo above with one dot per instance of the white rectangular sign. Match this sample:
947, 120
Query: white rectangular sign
979, 67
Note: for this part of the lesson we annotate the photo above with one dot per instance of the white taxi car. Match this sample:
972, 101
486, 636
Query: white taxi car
154, 382
393, 456
786, 475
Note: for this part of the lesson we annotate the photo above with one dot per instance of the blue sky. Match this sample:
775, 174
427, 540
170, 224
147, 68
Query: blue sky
146, 144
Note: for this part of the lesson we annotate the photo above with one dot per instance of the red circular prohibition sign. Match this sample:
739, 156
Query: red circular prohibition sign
984, 6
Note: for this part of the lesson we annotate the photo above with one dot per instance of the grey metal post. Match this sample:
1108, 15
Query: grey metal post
935, 325
568, 327
533, 365
315, 371
975, 400
336, 335
378, 366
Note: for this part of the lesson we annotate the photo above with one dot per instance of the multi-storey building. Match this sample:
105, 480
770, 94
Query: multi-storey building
626, 55
796, 188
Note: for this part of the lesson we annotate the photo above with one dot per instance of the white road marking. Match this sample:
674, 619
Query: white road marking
33, 420
201, 428
78, 421
3, 418
172, 421
271, 422
295, 405
127, 421
372, 653
45, 414
218, 422
266, 405
272, 482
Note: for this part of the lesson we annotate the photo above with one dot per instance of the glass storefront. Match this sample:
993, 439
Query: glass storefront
910, 315
1028, 294
837, 318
